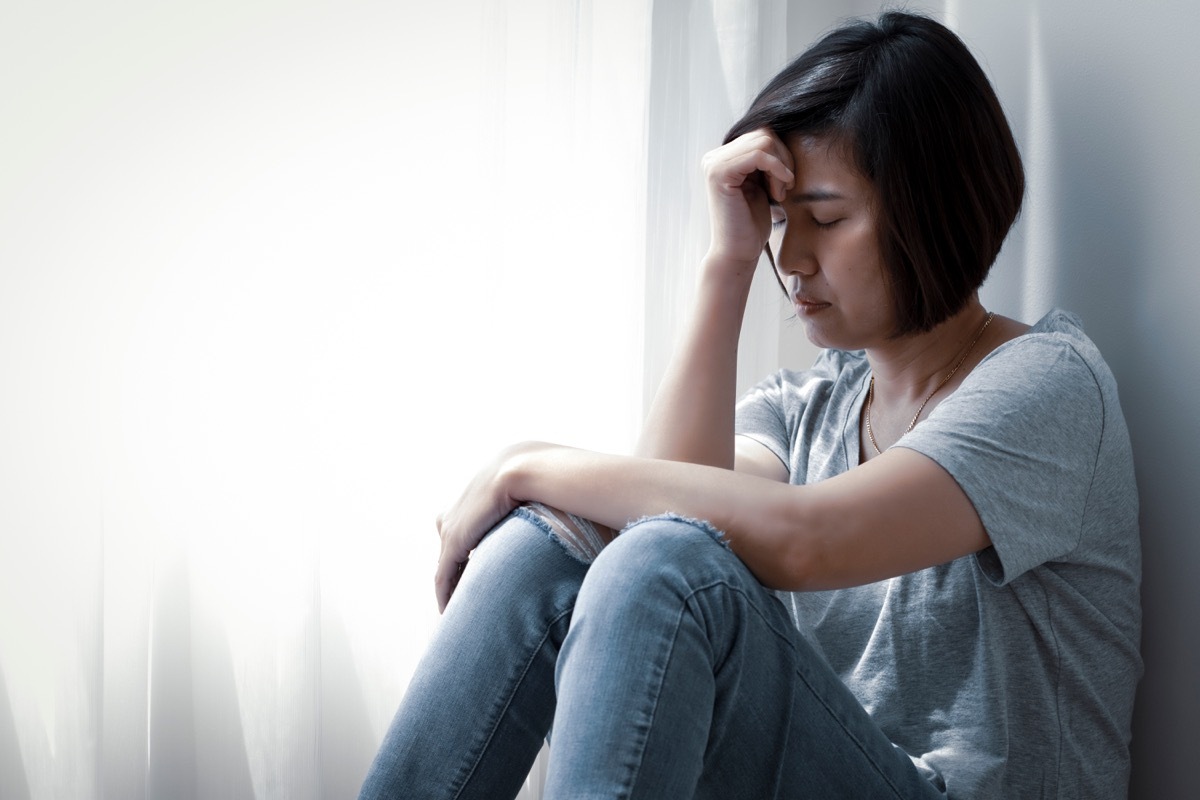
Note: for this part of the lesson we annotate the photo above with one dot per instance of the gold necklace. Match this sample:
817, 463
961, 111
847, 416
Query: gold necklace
945, 380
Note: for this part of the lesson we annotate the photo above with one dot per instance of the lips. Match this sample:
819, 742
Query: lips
806, 303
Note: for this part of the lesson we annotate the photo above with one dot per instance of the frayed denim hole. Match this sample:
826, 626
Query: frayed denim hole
716, 533
570, 548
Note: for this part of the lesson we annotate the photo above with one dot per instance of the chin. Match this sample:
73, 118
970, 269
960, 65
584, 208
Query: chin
832, 334
821, 337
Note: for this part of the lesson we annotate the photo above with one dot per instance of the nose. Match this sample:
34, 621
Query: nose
793, 253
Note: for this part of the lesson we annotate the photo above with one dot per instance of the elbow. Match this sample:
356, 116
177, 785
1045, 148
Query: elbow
799, 556
800, 567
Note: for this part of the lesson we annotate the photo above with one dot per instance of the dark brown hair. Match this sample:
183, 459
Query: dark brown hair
923, 124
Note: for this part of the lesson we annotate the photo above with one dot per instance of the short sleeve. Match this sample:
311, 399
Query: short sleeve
1021, 436
760, 416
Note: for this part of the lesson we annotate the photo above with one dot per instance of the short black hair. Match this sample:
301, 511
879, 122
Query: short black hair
923, 124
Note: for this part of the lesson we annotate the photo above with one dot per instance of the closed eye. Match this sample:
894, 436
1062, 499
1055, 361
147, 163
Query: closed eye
779, 219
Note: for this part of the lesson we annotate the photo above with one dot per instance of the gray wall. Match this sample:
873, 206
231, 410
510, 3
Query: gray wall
1106, 101
1104, 97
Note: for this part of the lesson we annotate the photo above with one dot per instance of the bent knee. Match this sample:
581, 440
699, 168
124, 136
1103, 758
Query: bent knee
675, 530
663, 546
673, 535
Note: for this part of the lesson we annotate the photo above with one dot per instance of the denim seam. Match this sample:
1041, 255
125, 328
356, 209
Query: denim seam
791, 645
849, 735
654, 707
508, 702
812, 690
675, 635
750, 601
470, 773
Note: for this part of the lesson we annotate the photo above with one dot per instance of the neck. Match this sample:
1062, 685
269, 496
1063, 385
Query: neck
909, 376
909, 368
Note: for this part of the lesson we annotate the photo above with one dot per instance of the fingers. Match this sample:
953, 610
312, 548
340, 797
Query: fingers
449, 570
742, 176
448, 573
445, 580
733, 165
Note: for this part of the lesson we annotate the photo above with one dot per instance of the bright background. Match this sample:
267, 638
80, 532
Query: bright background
277, 277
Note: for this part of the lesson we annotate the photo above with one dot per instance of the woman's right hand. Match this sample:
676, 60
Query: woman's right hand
739, 176
483, 503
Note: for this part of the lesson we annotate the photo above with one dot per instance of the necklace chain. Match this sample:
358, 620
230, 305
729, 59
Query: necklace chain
928, 397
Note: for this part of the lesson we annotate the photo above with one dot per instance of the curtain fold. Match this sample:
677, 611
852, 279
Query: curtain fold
276, 279
708, 61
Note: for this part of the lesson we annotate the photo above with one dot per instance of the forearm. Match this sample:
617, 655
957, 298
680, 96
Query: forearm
762, 519
691, 418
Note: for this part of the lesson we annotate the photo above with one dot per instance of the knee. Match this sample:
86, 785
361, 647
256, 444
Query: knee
657, 552
673, 538
520, 552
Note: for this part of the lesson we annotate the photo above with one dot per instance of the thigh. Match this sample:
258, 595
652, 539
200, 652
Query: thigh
784, 725
478, 707
708, 689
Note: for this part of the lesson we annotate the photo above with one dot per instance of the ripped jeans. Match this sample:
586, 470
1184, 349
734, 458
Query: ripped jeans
666, 670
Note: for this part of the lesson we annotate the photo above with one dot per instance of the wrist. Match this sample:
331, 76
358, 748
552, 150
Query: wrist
722, 291
517, 466
726, 270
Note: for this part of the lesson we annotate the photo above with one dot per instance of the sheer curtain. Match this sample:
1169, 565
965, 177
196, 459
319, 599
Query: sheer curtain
275, 278
708, 62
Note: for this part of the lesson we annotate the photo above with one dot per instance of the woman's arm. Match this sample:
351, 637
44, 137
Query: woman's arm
691, 418
897, 513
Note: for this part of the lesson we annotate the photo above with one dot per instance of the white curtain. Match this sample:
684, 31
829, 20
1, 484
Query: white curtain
275, 276
275, 279
708, 61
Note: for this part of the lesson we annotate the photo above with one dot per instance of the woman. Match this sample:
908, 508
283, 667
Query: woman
909, 571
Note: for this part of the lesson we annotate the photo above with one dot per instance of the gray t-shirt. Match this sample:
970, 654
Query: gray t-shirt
1009, 673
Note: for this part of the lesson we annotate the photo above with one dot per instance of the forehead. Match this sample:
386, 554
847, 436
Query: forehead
826, 163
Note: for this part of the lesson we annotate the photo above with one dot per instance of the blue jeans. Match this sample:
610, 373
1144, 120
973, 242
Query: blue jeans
666, 669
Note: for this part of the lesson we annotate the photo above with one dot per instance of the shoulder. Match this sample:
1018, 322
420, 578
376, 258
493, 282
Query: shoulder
1028, 436
832, 368
834, 380
1054, 365
801, 412
1043, 398
1056, 338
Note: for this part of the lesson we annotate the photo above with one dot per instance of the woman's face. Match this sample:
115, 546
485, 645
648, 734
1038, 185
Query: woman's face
826, 248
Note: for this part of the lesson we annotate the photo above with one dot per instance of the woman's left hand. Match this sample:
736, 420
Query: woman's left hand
482, 504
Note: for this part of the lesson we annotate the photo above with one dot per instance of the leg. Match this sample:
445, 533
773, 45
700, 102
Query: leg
480, 704
683, 677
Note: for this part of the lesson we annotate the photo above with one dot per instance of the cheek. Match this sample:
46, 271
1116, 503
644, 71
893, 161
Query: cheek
868, 265
866, 279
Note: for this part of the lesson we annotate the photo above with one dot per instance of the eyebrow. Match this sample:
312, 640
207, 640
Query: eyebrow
813, 196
